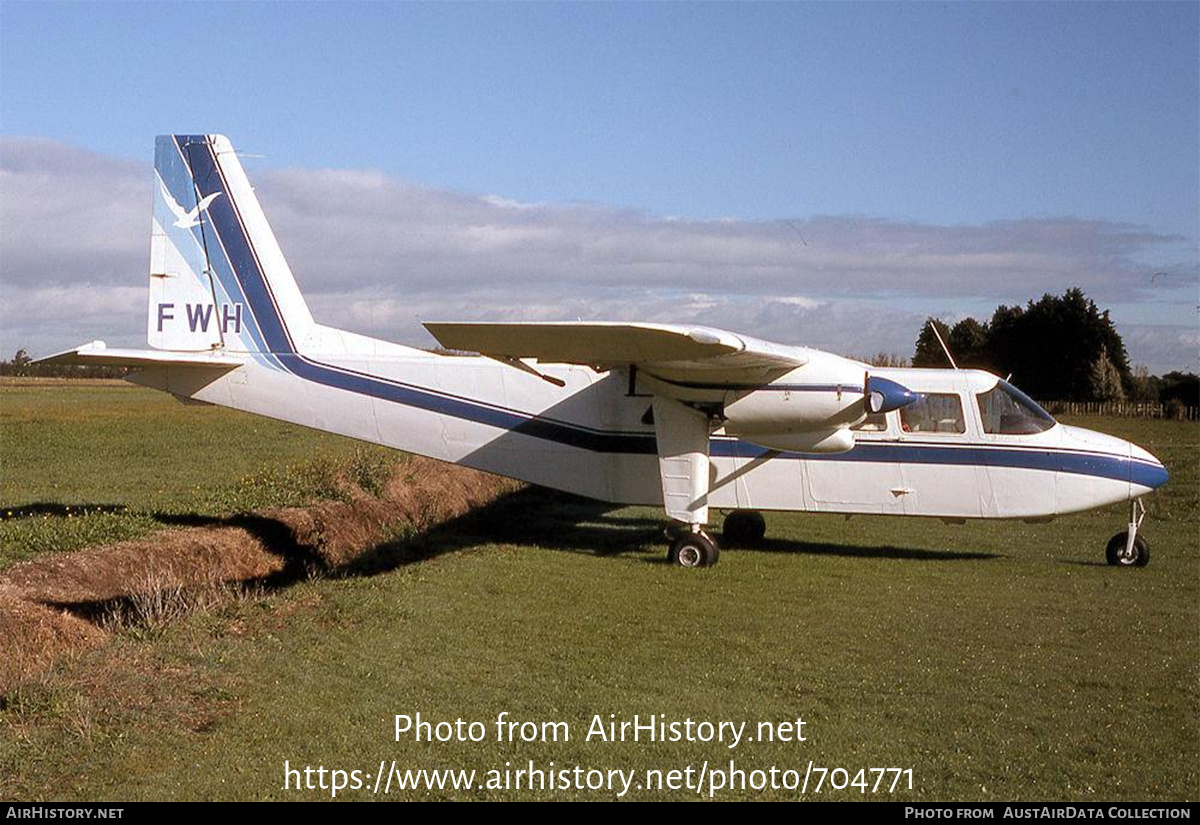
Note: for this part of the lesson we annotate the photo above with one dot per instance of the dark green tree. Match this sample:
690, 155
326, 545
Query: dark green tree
1180, 388
1056, 348
929, 352
20, 363
1055, 344
969, 344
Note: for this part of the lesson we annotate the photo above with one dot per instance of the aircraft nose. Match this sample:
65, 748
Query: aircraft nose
1145, 470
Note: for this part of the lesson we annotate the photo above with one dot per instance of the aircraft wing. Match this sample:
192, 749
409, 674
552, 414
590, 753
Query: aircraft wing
672, 351
99, 354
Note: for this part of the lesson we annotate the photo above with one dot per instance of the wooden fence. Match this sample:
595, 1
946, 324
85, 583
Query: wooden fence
1124, 409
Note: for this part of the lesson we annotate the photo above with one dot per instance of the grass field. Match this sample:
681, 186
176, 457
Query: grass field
998, 661
88, 463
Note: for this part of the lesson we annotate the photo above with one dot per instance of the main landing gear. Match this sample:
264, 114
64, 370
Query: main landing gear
743, 528
692, 547
1127, 548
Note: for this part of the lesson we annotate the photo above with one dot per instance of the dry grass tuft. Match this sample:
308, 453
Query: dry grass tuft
34, 634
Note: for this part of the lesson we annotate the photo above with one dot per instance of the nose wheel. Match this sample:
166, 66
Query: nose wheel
1127, 548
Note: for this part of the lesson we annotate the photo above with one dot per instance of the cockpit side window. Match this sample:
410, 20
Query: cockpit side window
933, 413
1005, 410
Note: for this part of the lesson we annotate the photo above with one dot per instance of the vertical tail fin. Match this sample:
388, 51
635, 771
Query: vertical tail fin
218, 279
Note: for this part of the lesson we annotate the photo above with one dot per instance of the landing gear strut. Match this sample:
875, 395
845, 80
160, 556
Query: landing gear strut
692, 547
1127, 548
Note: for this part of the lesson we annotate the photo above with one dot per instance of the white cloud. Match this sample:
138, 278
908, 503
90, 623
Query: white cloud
68, 215
1163, 348
378, 255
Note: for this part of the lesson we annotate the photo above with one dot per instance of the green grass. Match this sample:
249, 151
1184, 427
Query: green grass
997, 660
83, 465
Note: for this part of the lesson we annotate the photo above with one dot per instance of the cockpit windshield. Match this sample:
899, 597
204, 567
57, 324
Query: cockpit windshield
1005, 410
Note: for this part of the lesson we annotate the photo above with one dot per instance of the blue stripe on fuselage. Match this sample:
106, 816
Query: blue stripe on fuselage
1028, 458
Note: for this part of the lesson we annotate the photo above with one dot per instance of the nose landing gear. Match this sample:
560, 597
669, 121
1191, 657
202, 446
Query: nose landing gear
1127, 548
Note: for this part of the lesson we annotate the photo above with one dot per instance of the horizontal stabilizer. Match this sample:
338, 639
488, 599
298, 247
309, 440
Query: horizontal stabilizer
97, 353
609, 344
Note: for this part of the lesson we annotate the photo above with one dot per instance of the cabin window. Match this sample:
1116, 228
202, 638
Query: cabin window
873, 423
1005, 410
933, 413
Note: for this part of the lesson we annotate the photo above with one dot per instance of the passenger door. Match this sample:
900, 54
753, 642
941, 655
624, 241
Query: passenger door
938, 464
863, 480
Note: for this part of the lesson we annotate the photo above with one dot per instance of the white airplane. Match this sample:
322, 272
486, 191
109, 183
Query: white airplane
687, 417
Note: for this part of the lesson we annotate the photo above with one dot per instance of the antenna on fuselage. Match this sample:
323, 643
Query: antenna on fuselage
945, 349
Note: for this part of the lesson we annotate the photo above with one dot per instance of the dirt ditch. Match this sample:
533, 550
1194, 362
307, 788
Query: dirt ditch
64, 602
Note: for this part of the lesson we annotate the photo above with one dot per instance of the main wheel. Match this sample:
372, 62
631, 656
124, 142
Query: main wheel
693, 550
1115, 552
743, 527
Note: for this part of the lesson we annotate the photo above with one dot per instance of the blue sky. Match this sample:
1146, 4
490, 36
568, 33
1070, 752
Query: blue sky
951, 118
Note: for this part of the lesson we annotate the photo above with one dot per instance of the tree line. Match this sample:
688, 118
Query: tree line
22, 366
1061, 348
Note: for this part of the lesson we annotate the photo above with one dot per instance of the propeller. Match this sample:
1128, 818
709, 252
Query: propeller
881, 395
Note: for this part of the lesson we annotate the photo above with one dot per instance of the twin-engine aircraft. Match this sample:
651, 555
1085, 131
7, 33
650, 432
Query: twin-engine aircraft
687, 417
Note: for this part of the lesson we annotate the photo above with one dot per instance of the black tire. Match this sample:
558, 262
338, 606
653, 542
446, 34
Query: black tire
694, 550
743, 528
1115, 552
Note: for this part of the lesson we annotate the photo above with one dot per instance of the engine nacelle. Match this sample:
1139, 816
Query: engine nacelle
812, 408
818, 398
811, 441
801, 409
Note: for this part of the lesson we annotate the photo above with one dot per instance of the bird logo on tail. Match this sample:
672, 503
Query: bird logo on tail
183, 219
